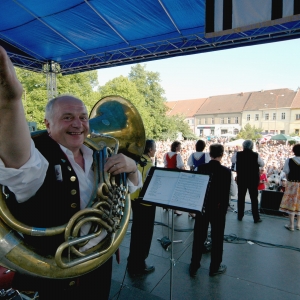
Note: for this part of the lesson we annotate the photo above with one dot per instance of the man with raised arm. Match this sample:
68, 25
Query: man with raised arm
51, 178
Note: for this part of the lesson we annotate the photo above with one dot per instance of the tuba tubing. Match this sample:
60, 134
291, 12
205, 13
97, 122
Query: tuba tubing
17, 256
112, 203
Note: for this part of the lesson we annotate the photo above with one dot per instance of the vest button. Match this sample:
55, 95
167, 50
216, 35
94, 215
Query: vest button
69, 168
73, 178
73, 205
72, 283
73, 192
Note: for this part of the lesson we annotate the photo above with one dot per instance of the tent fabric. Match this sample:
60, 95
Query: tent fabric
91, 34
238, 142
281, 137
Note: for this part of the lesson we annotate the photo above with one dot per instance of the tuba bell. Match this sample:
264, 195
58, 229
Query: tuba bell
115, 127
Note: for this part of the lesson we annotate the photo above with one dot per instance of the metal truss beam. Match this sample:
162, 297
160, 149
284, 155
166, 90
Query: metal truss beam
51, 69
190, 44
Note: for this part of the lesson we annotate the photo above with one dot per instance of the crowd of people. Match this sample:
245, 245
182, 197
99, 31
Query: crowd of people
273, 154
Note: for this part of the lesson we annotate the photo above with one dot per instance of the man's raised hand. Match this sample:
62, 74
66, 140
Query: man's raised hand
10, 87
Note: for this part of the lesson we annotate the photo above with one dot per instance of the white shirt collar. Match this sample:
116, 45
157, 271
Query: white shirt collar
87, 155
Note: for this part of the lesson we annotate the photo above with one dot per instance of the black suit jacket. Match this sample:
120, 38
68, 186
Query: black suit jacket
217, 196
247, 168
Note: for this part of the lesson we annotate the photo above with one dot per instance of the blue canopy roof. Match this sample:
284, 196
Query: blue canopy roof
93, 34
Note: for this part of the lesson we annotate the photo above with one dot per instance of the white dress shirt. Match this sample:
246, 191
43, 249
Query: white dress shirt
197, 156
25, 181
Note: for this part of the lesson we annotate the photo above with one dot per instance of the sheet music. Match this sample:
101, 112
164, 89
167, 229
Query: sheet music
180, 189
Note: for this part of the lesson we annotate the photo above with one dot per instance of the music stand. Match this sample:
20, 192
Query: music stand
168, 188
165, 241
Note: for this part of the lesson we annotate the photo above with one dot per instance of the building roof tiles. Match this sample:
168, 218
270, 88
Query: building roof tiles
235, 103
188, 108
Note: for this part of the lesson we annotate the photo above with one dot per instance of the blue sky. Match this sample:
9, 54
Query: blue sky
245, 69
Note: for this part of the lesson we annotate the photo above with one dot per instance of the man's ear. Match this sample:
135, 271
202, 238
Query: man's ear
47, 125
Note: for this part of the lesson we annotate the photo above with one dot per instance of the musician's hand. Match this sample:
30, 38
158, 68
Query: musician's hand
10, 87
121, 163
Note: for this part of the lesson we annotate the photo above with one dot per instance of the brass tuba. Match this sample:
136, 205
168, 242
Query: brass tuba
115, 126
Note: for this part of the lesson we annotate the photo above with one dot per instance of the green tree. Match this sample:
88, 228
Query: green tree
184, 128
121, 86
143, 89
249, 133
35, 91
148, 84
81, 85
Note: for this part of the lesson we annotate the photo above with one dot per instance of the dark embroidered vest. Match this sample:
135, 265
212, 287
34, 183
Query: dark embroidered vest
55, 202
247, 167
294, 174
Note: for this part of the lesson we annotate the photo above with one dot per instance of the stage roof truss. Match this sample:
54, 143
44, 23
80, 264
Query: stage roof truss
122, 32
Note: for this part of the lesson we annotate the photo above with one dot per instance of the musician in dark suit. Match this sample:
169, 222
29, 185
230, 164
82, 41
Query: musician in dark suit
247, 169
214, 211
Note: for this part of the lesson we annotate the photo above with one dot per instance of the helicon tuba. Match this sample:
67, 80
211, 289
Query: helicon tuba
115, 126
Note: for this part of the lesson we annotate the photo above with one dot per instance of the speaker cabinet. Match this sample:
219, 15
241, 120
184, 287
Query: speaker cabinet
270, 202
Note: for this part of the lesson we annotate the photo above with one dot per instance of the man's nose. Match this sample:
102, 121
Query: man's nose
76, 122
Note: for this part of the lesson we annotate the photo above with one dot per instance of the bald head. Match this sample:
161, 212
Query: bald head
50, 107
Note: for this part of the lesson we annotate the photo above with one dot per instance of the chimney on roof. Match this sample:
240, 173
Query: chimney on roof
242, 93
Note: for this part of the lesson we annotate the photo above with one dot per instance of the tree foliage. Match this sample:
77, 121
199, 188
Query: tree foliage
143, 89
249, 133
123, 87
35, 91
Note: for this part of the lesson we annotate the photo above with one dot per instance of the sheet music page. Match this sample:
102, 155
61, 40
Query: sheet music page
186, 190
190, 191
161, 186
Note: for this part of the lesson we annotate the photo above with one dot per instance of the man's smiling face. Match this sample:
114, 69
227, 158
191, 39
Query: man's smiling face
69, 123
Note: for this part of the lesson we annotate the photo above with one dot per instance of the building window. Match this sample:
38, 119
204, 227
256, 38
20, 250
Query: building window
236, 120
282, 131
201, 132
274, 116
297, 116
282, 116
266, 116
228, 121
212, 132
212, 121
192, 121
222, 120
297, 131
248, 117
204, 121
256, 117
